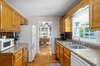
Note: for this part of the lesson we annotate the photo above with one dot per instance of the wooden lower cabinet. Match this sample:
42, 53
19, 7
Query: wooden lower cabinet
14, 59
61, 51
66, 61
57, 50
63, 54
6, 59
67, 57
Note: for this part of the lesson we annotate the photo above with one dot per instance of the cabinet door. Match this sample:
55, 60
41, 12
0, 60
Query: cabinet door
0, 17
10, 19
57, 51
60, 24
6, 17
67, 57
94, 14
16, 22
9, 22
61, 53
67, 60
18, 62
68, 24
22, 20
62, 29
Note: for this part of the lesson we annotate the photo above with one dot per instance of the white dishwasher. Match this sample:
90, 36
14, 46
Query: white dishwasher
77, 61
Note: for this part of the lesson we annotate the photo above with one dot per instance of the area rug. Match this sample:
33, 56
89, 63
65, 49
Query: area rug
55, 64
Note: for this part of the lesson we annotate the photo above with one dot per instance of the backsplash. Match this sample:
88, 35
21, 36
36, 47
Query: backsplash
7, 34
66, 35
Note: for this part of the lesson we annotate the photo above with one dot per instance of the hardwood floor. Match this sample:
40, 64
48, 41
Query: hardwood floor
44, 58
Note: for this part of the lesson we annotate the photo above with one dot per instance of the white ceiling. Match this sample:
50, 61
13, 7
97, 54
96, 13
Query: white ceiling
42, 7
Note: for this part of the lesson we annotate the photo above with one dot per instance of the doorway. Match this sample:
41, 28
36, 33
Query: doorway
45, 34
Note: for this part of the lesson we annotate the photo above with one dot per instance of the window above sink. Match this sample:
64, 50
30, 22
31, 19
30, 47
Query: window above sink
80, 24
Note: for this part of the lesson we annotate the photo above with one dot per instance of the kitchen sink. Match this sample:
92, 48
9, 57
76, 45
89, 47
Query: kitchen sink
77, 47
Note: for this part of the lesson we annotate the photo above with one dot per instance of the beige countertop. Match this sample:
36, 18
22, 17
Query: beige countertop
15, 48
91, 55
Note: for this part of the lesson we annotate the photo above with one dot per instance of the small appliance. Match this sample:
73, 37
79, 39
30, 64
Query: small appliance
6, 43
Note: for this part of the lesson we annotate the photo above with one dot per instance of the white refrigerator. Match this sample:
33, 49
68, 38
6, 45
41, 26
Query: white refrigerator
33, 46
28, 35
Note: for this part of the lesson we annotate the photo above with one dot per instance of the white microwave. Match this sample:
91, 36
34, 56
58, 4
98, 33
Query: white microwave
6, 44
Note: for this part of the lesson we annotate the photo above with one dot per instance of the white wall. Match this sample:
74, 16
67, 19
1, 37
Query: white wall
26, 31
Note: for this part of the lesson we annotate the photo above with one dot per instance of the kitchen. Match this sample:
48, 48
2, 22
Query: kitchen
74, 36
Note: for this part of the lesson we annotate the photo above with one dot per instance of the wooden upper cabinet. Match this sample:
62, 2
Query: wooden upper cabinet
95, 14
66, 24
62, 25
6, 24
10, 19
16, 22
23, 21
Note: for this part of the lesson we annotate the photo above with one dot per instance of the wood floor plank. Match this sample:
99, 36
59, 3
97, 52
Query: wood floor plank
44, 58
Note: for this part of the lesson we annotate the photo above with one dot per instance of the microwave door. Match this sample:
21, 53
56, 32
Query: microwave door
6, 45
